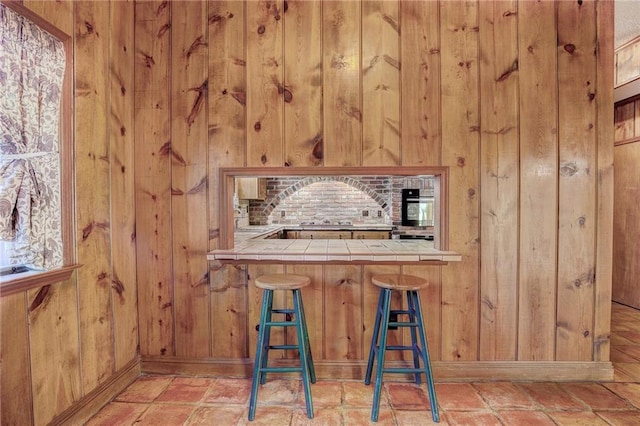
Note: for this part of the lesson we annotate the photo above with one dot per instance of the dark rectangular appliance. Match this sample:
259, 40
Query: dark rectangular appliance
417, 209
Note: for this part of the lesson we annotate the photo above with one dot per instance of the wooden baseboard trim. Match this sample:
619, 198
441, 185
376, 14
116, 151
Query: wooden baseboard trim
91, 403
555, 371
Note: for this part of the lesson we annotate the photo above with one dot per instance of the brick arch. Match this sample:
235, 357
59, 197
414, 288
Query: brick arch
274, 201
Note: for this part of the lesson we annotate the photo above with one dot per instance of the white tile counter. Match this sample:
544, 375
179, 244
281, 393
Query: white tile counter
334, 251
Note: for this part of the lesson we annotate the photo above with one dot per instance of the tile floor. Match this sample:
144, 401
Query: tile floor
169, 400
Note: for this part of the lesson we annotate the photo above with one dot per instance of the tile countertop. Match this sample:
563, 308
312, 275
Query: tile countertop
334, 250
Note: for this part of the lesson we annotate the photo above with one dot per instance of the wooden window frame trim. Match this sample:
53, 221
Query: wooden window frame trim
24, 281
228, 175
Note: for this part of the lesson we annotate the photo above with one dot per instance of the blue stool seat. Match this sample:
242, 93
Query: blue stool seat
411, 284
294, 283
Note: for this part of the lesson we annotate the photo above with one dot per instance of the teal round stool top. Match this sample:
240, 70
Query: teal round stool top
399, 282
282, 281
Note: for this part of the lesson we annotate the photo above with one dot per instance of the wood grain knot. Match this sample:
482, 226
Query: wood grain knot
570, 47
261, 29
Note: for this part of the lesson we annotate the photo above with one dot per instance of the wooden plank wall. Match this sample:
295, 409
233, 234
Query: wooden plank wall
509, 94
481, 87
626, 220
63, 342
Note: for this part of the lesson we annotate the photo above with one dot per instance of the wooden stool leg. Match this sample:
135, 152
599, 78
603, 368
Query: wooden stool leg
427, 363
411, 308
304, 361
263, 331
374, 338
381, 348
307, 345
267, 336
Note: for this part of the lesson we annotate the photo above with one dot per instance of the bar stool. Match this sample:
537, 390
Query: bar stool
294, 283
411, 284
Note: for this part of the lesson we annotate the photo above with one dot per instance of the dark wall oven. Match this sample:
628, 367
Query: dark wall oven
417, 209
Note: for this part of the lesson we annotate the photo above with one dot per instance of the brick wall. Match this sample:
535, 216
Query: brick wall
361, 199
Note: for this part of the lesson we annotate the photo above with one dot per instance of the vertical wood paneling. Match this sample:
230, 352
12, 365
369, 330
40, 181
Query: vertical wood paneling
226, 144
577, 182
370, 295
625, 118
342, 109
343, 313
16, 402
302, 91
312, 296
265, 83
421, 142
153, 177
431, 303
626, 251
499, 179
380, 83
254, 299
460, 126
605, 188
55, 357
189, 221
122, 186
538, 180
93, 171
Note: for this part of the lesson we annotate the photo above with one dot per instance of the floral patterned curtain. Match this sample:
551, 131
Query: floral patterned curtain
32, 64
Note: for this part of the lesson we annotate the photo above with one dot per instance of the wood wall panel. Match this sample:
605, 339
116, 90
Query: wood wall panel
605, 155
343, 287
380, 71
313, 300
254, 302
227, 118
93, 169
577, 160
16, 400
421, 142
55, 351
189, 221
341, 83
58, 13
265, 83
302, 83
538, 180
625, 121
499, 179
153, 159
124, 293
460, 128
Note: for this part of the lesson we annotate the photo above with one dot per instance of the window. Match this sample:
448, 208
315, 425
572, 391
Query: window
35, 143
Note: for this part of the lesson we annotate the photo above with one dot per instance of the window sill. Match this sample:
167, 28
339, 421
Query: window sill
24, 281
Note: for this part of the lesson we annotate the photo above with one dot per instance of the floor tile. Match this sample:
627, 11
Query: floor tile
183, 389
473, 418
117, 413
458, 396
628, 391
504, 395
621, 418
228, 391
525, 417
595, 396
630, 370
357, 394
207, 416
418, 418
145, 389
328, 416
633, 336
408, 396
551, 396
165, 415
362, 416
576, 418
270, 416
324, 394
278, 391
